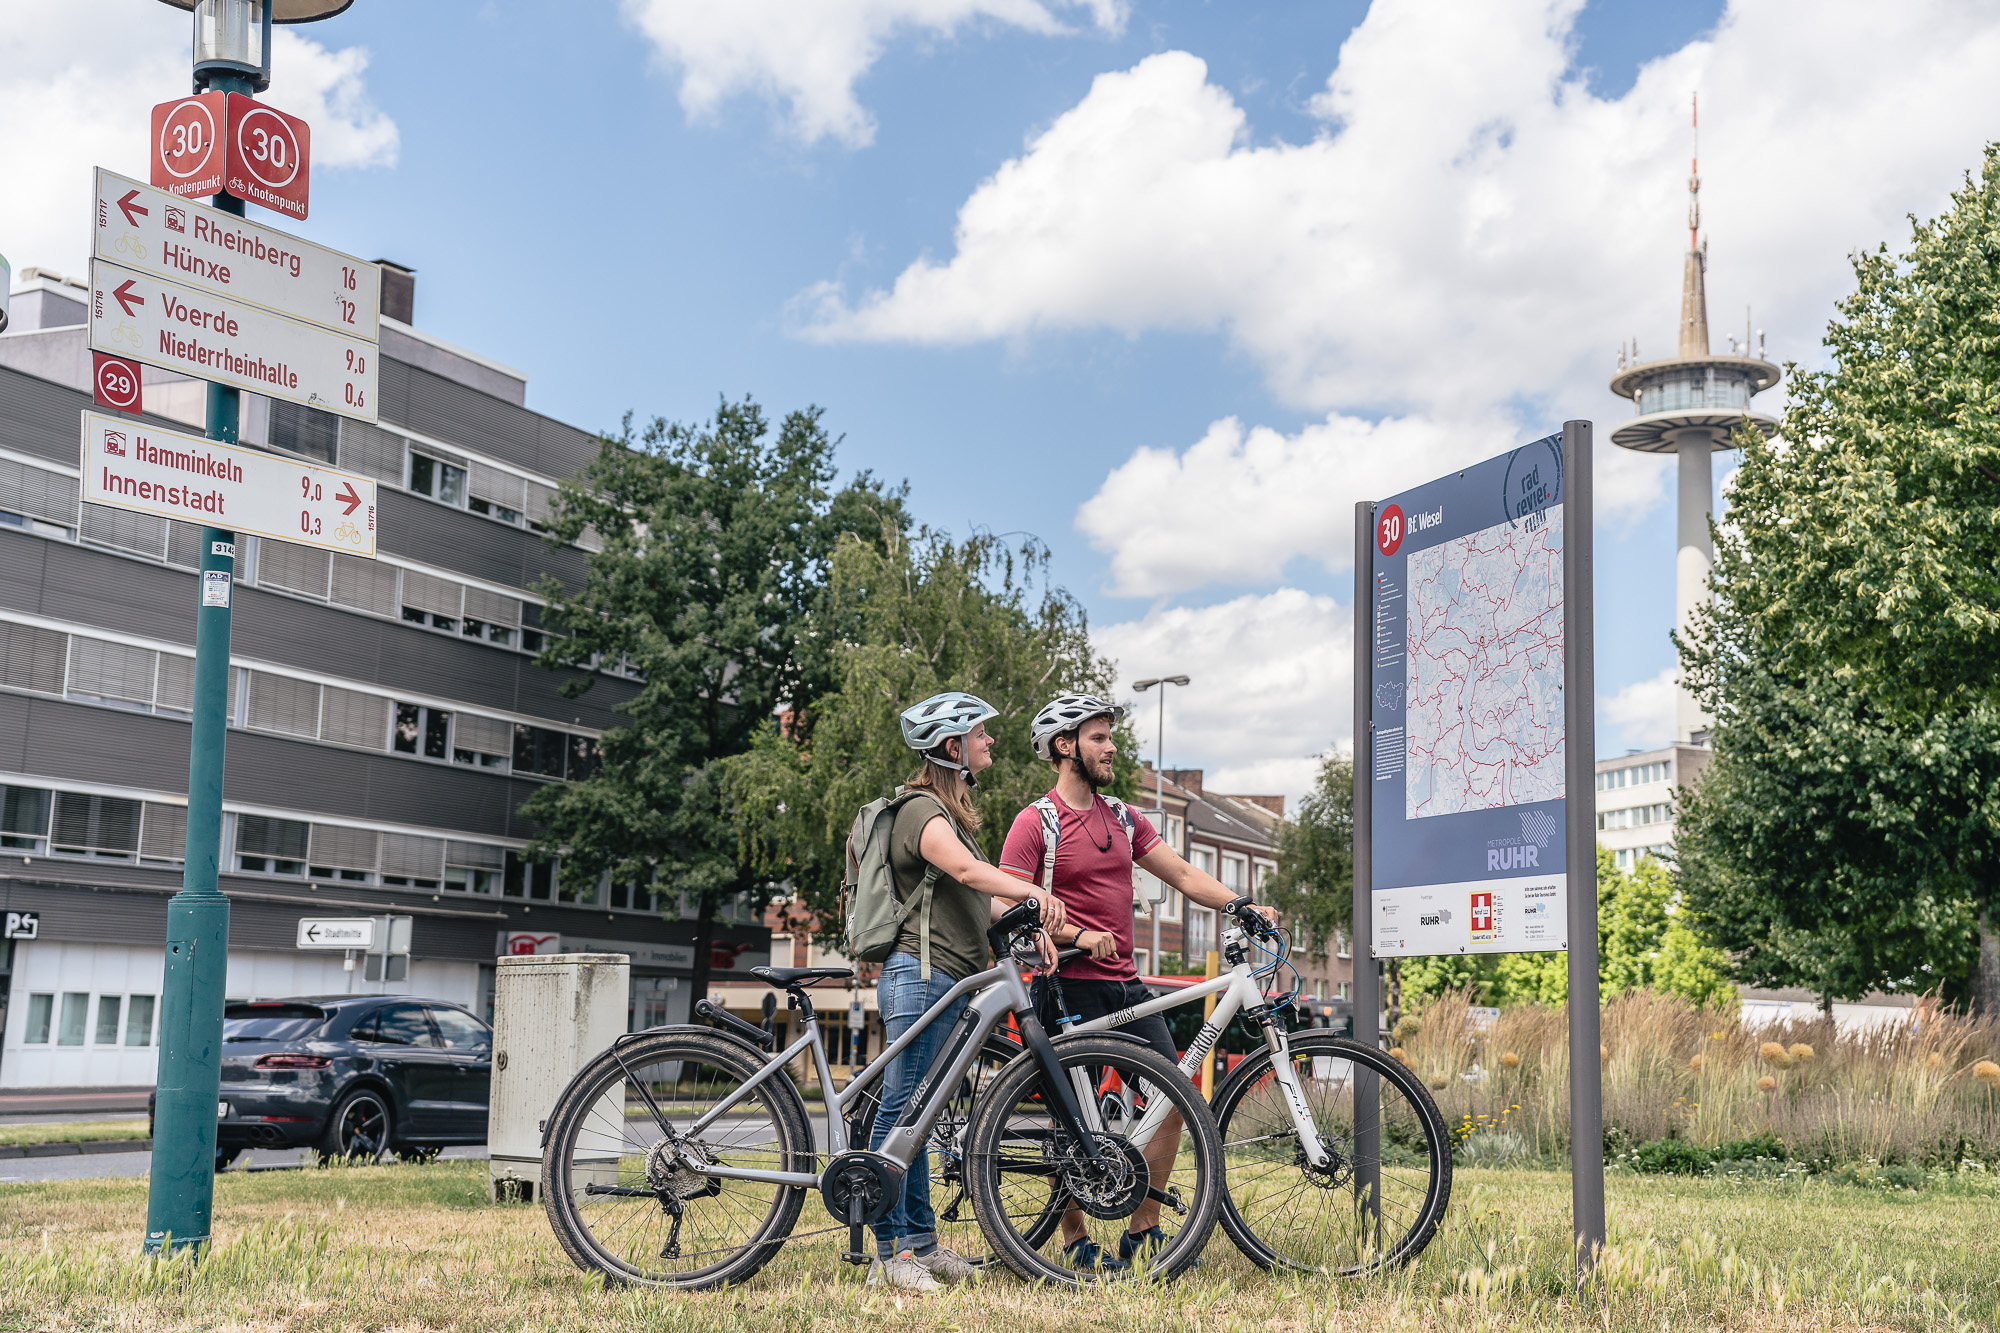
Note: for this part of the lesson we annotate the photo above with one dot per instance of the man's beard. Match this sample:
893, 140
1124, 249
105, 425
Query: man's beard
1095, 783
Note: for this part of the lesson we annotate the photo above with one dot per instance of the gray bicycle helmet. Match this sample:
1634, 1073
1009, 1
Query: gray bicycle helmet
928, 725
1064, 714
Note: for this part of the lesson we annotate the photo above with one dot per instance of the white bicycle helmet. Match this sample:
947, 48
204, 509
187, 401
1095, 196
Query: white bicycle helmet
1064, 714
928, 725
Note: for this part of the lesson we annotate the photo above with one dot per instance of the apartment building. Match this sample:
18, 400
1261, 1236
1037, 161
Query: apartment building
387, 717
1635, 800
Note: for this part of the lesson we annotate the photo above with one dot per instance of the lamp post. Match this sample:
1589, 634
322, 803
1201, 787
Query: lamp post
1159, 792
232, 54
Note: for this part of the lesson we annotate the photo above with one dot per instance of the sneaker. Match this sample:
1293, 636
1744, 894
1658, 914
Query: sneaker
1148, 1243
1087, 1255
901, 1272
947, 1266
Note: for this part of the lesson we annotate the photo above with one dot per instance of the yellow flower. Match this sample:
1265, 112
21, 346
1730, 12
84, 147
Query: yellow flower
1988, 1073
1801, 1051
1774, 1054
1509, 1060
1767, 1084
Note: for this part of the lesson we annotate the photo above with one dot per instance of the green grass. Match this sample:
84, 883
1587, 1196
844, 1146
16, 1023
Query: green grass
71, 1131
419, 1248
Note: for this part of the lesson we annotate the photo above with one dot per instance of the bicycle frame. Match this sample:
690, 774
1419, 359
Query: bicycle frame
996, 992
1236, 989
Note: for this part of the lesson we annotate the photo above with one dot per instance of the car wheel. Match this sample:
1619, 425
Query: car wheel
225, 1156
359, 1129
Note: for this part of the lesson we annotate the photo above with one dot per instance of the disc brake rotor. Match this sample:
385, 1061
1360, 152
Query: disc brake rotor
1110, 1188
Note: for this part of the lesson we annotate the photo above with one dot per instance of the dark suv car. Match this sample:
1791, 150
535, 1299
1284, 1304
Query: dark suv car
352, 1076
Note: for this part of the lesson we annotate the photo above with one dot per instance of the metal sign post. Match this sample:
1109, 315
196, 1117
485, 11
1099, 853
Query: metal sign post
1474, 775
1367, 972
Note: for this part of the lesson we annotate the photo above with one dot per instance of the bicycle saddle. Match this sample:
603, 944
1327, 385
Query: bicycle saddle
799, 976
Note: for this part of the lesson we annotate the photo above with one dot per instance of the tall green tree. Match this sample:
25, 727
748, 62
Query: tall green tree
1847, 836
908, 618
716, 541
1313, 888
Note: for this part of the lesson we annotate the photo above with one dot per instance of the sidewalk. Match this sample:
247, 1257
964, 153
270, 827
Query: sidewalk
65, 1101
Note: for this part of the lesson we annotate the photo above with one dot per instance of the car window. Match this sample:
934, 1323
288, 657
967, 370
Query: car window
460, 1030
403, 1025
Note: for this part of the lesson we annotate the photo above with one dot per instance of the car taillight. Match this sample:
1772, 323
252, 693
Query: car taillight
292, 1060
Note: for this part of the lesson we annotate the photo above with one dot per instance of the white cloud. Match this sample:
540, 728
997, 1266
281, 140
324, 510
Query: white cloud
1643, 710
1471, 227
83, 77
1268, 689
809, 54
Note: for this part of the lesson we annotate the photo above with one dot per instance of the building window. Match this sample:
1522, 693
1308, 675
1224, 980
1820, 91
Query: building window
109, 1008
139, 1021
636, 898
304, 430
1142, 959
1637, 816
41, 1011
1343, 946
1635, 775
104, 826
24, 818
267, 846
473, 867
75, 1009
529, 879
1233, 874
425, 731
1201, 937
438, 479
543, 752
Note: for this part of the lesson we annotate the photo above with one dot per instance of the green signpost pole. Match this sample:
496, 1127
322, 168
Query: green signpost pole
180, 1194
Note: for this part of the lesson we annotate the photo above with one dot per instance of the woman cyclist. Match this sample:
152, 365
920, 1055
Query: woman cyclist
933, 828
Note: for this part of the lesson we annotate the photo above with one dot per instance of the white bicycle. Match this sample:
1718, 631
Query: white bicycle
1336, 1156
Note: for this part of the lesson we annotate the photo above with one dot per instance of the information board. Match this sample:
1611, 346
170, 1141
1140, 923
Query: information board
1466, 711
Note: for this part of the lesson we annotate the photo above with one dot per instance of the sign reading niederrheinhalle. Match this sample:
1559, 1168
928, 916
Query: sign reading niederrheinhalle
1467, 712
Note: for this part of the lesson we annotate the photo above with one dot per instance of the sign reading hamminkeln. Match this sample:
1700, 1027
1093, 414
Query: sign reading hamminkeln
129, 465
1466, 711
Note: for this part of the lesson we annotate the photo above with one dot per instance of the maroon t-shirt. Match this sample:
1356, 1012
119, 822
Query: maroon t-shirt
1094, 881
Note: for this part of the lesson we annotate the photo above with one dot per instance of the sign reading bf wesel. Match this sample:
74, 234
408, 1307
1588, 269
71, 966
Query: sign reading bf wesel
128, 465
166, 236
229, 341
1467, 712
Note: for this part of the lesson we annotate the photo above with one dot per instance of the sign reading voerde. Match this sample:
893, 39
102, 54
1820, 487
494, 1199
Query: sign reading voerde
161, 234
229, 341
131, 466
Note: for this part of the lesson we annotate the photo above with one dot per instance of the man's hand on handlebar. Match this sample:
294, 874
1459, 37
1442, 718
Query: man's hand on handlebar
1256, 918
1099, 944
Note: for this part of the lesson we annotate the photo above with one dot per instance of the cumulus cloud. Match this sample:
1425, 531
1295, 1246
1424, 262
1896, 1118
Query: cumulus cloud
1643, 711
1471, 227
82, 80
808, 54
1268, 686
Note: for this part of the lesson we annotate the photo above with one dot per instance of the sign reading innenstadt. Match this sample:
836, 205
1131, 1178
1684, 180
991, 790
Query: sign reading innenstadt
1467, 711
128, 465
170, 237
337, 932
229, 341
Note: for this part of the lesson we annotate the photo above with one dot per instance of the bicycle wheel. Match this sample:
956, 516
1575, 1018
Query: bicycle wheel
1024, 1173
1356, 1213
957, 1228
617, 1188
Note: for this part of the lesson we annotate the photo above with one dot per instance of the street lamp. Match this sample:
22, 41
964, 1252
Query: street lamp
1159, 790
232, 38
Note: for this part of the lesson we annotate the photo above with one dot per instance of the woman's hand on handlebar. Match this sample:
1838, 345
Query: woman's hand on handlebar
1045, 945
1054, 918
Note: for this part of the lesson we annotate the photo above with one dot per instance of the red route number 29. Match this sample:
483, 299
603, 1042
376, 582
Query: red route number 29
1389, 528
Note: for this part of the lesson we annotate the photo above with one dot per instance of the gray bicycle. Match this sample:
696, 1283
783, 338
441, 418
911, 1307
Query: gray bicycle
682, 1156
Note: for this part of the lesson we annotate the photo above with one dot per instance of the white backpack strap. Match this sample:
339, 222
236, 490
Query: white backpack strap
1119, 809
1051, 832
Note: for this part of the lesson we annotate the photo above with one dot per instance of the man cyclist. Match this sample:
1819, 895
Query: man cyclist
1098, 841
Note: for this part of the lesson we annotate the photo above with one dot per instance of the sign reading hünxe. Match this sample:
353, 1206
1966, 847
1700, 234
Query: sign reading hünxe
131, 466
1467, 714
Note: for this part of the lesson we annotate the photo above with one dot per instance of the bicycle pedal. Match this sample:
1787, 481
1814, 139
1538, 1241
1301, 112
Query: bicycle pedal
855, 1254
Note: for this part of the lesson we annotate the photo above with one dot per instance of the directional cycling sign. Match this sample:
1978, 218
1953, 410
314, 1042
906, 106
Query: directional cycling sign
166, 236
337, 932
128, 465
229, 341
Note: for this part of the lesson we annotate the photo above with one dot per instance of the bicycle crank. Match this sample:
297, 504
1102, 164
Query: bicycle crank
859, 1188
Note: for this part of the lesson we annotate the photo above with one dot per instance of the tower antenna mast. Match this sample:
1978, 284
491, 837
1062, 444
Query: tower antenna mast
1694, 176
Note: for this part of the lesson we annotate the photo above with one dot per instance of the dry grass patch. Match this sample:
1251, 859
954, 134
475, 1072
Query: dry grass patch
409, 1248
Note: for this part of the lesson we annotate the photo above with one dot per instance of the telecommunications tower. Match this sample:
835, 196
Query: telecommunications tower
1690, 404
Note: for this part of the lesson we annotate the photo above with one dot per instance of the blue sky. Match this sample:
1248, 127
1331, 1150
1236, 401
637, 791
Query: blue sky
569, 214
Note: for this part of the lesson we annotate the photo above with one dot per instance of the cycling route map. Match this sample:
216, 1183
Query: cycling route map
1485, 669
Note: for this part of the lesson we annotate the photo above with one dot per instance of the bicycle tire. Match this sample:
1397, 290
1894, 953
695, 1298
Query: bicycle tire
956, 1226
785, 1145
1263, 1153
1010, 1137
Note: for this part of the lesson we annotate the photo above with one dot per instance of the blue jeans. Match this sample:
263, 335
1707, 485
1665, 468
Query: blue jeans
904, 996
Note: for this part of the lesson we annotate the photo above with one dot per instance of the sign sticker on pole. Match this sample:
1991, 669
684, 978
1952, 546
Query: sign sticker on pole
131, 466
114, 383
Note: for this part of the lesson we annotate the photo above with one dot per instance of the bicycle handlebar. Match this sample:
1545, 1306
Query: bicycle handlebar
1022, 918
1244, 909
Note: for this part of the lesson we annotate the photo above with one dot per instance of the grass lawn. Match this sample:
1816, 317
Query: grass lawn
70, 1131
418, 1247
